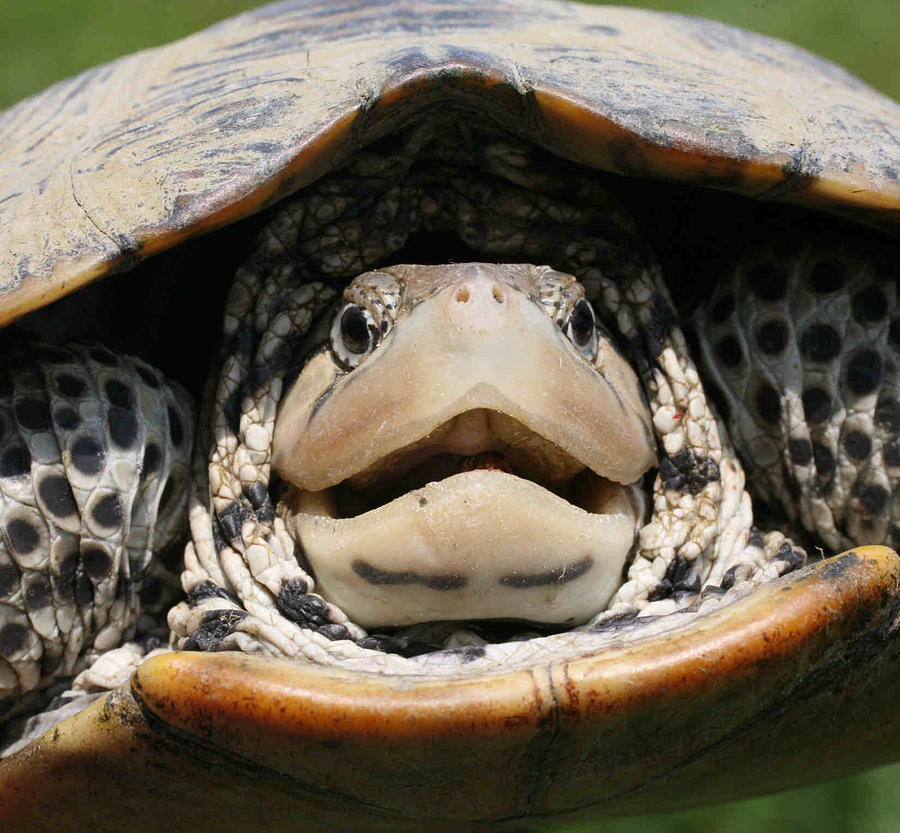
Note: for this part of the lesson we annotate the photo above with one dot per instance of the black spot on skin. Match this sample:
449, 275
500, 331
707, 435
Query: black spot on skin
13, 637
87, 455
839, 566
119, 394
685, 472
64, 582
872, 497
857, 445
38, 594
729, 578
69, 385
49, 664
894, 333
257, 495
66, 419
560, 575
15, 462
768, 404
682, 576
97, 562
772, 337
892, 453
722, 308
300, 607
816, 405
152, 460
210, 590
33, 414
57, 497
801, 452
23, 536
820, 343
123, 427
380, 642
864, 372
176, 430
887, 415
231, 519
148, 376
768, 281
107, 511
616, 622
9, 580
333, 631
756, 539
826, 276
729, 351
102, 356
869, 304
217, 624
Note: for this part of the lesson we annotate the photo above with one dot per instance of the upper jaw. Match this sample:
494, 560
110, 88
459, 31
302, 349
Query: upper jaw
474, 366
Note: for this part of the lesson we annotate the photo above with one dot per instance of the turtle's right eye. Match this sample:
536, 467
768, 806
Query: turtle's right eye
354, 334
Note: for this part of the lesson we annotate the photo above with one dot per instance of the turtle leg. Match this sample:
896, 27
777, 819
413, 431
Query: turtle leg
94, 457
802, 354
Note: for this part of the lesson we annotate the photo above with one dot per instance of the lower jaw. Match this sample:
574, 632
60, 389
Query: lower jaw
478, 545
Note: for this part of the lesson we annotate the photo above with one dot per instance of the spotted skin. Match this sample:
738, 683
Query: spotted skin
94, 450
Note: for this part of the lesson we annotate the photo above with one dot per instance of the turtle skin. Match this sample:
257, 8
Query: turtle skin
657, 138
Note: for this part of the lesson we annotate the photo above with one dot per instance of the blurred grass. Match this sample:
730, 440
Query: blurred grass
42, 41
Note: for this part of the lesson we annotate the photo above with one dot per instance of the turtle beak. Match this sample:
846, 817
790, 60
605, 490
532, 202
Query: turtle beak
791, 684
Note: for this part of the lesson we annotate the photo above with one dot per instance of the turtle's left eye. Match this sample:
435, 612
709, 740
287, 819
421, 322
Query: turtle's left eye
354, 334
581, 329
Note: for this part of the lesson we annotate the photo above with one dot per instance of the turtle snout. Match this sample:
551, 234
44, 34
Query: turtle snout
478, 303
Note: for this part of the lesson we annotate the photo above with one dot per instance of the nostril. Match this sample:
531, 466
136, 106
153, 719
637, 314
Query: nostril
498, 293
462, 294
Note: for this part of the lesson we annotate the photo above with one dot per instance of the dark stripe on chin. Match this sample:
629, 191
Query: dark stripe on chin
561, 575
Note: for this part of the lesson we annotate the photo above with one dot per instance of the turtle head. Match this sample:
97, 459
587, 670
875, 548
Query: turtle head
464, 445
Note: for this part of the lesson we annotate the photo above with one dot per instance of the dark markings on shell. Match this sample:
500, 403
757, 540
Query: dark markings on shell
152, 460
559, 575
176, 430
887, 415
768, 281
38, 594
119, 394
728, 349
373, 575
892, 453
57, 497
772, 337
103, 356
66, 419
150, 378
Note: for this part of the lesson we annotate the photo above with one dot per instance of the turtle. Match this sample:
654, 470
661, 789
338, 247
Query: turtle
495, 317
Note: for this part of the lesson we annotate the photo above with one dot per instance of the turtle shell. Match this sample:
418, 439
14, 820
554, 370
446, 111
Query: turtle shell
132, 158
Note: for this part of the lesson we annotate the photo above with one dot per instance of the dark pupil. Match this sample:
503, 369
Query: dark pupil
355, 330
582, 323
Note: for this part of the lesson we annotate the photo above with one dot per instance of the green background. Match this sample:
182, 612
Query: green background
42, 41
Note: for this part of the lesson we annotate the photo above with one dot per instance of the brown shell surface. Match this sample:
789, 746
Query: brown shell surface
792, 684
128, 159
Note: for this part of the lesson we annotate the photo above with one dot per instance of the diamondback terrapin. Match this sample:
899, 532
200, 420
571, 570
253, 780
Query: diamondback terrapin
468, 541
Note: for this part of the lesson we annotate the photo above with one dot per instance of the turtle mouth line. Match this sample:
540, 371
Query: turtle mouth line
476, 440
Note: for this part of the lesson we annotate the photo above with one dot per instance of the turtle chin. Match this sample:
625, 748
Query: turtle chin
481, 544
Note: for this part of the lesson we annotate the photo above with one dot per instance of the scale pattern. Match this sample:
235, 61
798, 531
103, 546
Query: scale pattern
804, 347
94, 450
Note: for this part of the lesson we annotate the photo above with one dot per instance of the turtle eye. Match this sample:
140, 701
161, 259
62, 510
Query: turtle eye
354, 335
581, 329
